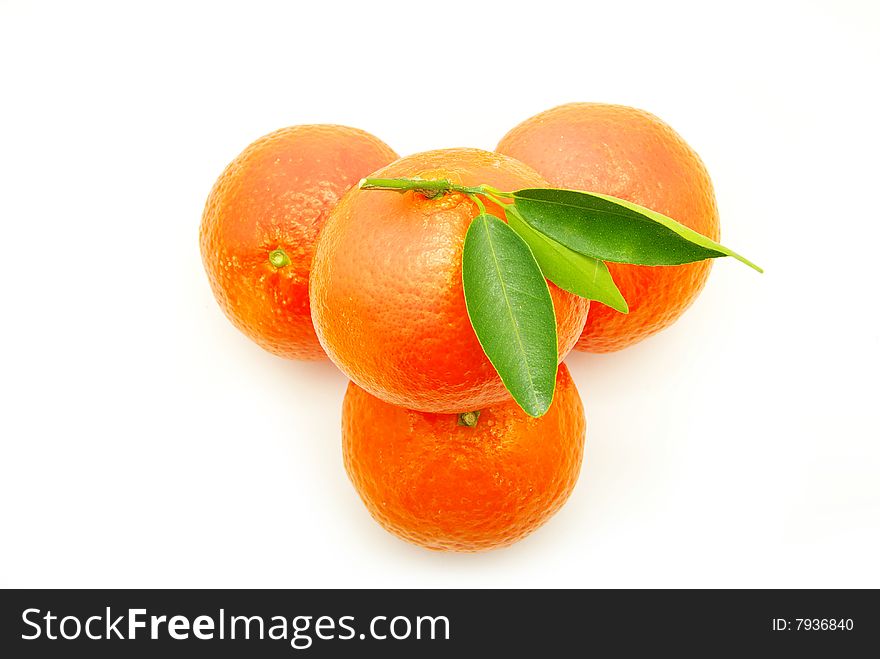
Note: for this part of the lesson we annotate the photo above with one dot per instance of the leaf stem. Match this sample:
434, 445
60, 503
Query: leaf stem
497, 197
479, 203
495, 192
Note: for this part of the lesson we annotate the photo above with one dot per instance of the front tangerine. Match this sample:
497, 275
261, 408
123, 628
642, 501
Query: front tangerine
386, 292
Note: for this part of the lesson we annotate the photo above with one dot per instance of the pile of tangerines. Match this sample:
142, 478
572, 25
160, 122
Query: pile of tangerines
309, 264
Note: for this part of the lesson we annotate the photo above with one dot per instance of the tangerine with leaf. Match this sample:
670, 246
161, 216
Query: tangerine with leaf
388, 300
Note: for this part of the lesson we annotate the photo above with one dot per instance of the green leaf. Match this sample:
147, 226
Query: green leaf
573, 272
612, 229
511, 311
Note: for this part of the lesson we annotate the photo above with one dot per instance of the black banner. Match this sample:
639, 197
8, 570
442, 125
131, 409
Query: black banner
290, 623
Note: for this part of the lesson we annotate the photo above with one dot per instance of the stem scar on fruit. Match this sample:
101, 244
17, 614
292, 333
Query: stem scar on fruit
469, 419
279, 258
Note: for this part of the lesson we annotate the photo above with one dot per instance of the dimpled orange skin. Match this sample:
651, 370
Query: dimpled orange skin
278, 193
631, 154
445, 486
387, 297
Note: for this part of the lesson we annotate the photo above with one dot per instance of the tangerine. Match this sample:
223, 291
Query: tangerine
633, 155
386, 290
438, 482
262, 219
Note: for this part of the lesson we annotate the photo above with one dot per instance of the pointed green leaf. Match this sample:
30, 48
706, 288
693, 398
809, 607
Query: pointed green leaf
573, 272
616, 230
511, 311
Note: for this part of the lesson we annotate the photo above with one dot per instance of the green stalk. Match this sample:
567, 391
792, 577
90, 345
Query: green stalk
429, 187
437, 187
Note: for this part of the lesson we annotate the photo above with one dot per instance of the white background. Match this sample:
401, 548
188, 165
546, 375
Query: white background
145, 442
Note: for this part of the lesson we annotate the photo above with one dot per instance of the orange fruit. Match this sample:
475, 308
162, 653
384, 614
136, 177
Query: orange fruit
387, 298
631, 154
276, 196
437, 483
